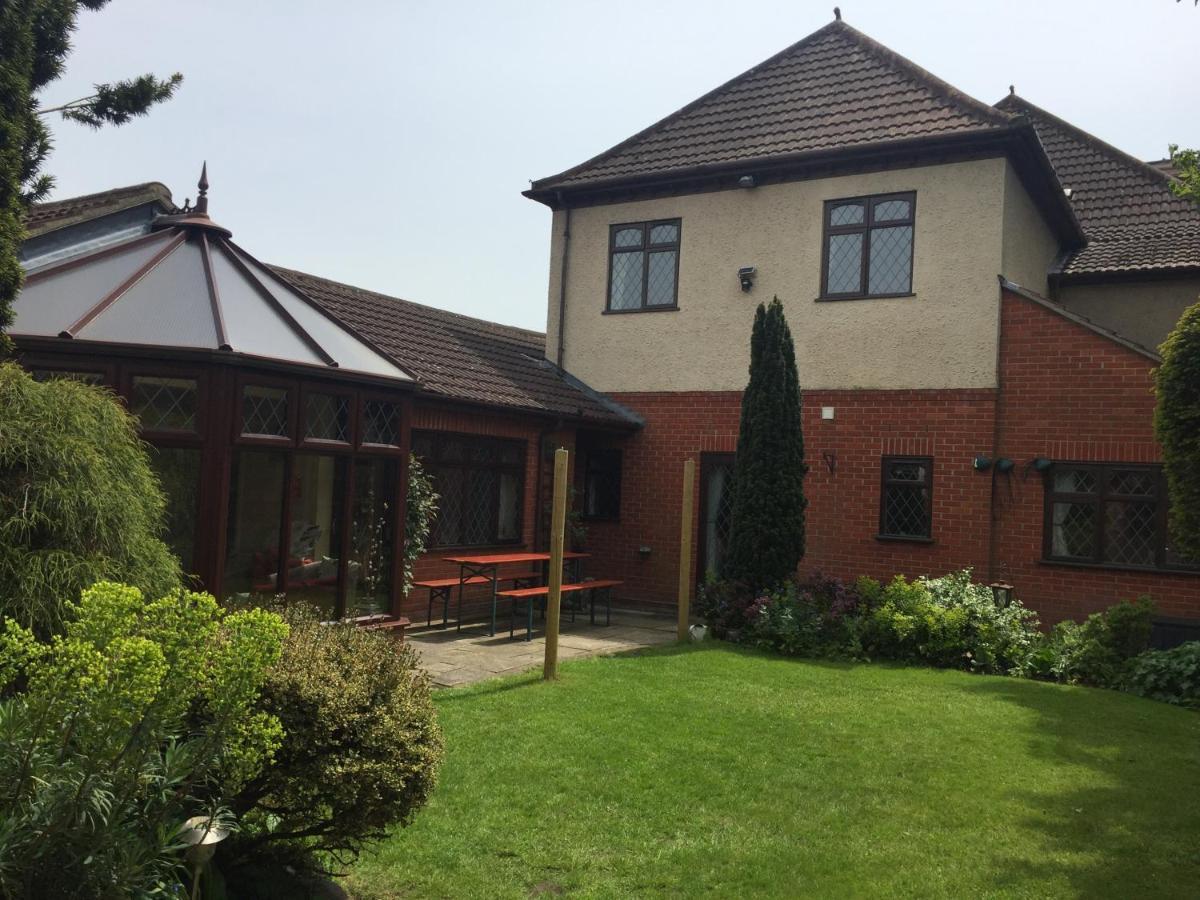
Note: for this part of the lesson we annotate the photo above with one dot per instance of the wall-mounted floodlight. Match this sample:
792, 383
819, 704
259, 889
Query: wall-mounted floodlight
746, 277
747, 181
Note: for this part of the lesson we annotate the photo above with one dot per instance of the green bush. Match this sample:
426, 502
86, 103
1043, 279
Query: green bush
1098, 651
360, 754
1172, 676
122, 729
79, 502
1177, 427
419, 513
817, 616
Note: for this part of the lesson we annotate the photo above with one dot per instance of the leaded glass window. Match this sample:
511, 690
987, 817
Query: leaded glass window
906, 507
868, 247
602, 483
1108, 514
326, 417
643, 269
68, 374
164, 404
265, 411
381, 423
481, 487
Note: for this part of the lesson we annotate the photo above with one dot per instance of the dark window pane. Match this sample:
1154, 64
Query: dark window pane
660, 282
164, 404
892, 210
422, 445
1073, 530
1074, 481
381, 423
664, 234
844, 272
318, 492
1137, 482
909, 470
846, 214
265, 411
891, 260
372, 535
85, 377
626, 289
628, 237
602, 484
255, 509
508, 517
512, 454
906, 512
1130, 533
178, 471
481, 488
327, 417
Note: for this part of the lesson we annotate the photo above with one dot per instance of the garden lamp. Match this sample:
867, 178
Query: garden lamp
1002, 593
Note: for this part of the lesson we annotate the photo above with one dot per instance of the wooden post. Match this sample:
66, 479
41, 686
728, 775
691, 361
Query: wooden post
685, 546
558, 524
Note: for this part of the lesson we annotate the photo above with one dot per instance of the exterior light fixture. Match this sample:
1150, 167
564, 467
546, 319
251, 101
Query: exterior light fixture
1004, 465
981, 463
746, 277
1041, 464
747, 181
643, 551
1002, 593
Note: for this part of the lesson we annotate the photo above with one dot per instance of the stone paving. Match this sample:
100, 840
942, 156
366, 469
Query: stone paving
472, 655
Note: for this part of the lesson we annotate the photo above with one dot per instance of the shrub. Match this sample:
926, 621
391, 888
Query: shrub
419, 514
1177, 427
79, 502
1098, 651
816, 616
1172, 676
360, 754
122, 730
725, 606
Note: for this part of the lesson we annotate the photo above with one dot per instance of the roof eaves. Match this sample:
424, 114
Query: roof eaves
149, 192
1077, 318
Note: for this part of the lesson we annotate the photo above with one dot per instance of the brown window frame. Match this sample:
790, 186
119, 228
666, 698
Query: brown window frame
865, 228
177, 438
885, 482
645, 248
1102, 496
602, 462
435, 461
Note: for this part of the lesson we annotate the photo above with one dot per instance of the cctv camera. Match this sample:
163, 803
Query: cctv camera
746, 277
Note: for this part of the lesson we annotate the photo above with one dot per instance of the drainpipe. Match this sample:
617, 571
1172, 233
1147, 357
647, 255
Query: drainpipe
562, 283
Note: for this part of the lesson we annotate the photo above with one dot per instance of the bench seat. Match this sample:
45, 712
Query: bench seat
530, 594
442, 587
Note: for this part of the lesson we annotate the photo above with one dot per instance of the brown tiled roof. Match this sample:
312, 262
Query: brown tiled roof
462, 358
833, 90
1132, 220
45, 217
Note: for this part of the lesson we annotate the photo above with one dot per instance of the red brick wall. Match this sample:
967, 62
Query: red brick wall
1068, 393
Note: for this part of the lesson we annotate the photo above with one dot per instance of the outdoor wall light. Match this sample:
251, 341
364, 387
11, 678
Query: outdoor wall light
981, 463
747, 181
643, 551
1041, 464
1004, 465
746, 277
1002, 593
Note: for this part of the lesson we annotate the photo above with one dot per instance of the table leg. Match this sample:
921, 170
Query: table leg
462, 578
495, 573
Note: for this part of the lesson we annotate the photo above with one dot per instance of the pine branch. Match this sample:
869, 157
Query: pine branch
117, 103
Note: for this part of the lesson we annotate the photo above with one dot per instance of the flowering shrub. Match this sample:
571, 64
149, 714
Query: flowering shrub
123, 728
814, 617
725, 605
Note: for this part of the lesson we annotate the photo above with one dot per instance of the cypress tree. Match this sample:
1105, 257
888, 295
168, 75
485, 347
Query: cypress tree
1177, 426
767, 529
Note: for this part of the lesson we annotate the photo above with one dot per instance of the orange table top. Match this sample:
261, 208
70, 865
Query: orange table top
503, 559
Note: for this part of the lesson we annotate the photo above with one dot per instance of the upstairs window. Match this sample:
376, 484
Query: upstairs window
643, 266
906, 507
868, 247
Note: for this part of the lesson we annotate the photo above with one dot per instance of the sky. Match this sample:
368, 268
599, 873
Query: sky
386, 144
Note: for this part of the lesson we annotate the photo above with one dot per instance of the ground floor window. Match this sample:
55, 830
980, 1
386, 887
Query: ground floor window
178, 471
1108, 514
602, 483
372, 536
481, 485
906, 498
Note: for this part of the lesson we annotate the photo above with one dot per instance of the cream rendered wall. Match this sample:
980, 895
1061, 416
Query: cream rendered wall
1141, 311
944, 336
1029, 244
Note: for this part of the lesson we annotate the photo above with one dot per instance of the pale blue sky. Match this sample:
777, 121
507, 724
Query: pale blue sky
386, 143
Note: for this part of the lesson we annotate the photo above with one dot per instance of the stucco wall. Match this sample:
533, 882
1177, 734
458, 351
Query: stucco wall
1141, 311
1029, 244
944, 336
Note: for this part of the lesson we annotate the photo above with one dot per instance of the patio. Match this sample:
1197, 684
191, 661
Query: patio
472, 655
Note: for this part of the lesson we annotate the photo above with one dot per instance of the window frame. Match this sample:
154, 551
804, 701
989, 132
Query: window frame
885, 482
292, 386
165, 438
1099, 499
589, 455
432, 463
645, 249
865, 228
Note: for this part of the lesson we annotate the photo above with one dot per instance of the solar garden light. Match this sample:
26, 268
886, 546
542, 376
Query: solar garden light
1002, 593
201, 835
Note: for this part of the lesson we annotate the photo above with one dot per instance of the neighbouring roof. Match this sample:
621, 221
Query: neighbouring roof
1132, 220
462, 358
833, 90
55, 214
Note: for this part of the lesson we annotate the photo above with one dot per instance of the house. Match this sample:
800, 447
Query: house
975, 293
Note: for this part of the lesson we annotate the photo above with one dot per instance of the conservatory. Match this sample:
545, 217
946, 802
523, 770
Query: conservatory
280, 434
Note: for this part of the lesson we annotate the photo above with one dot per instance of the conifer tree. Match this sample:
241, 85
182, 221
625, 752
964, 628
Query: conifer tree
1177, 426
767, 528
35, 38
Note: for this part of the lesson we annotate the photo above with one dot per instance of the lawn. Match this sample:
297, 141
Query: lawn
723, 772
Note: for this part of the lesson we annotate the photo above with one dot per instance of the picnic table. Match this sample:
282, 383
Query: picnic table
485, 568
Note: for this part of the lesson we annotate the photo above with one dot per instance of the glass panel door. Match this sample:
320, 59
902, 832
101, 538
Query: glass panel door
318, 495
255, 513
372, 536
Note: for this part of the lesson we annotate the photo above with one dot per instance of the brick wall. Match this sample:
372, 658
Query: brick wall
1068, 393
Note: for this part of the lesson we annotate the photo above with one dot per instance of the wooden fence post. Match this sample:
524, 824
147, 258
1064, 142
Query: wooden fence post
558, 523
685, 546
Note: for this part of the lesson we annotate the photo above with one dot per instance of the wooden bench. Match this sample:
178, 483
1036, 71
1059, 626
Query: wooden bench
531, 594
444, 587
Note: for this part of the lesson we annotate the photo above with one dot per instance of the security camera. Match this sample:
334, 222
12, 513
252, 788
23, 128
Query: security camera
746, 277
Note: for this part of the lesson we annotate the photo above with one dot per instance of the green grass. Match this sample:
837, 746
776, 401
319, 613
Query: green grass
721, 772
